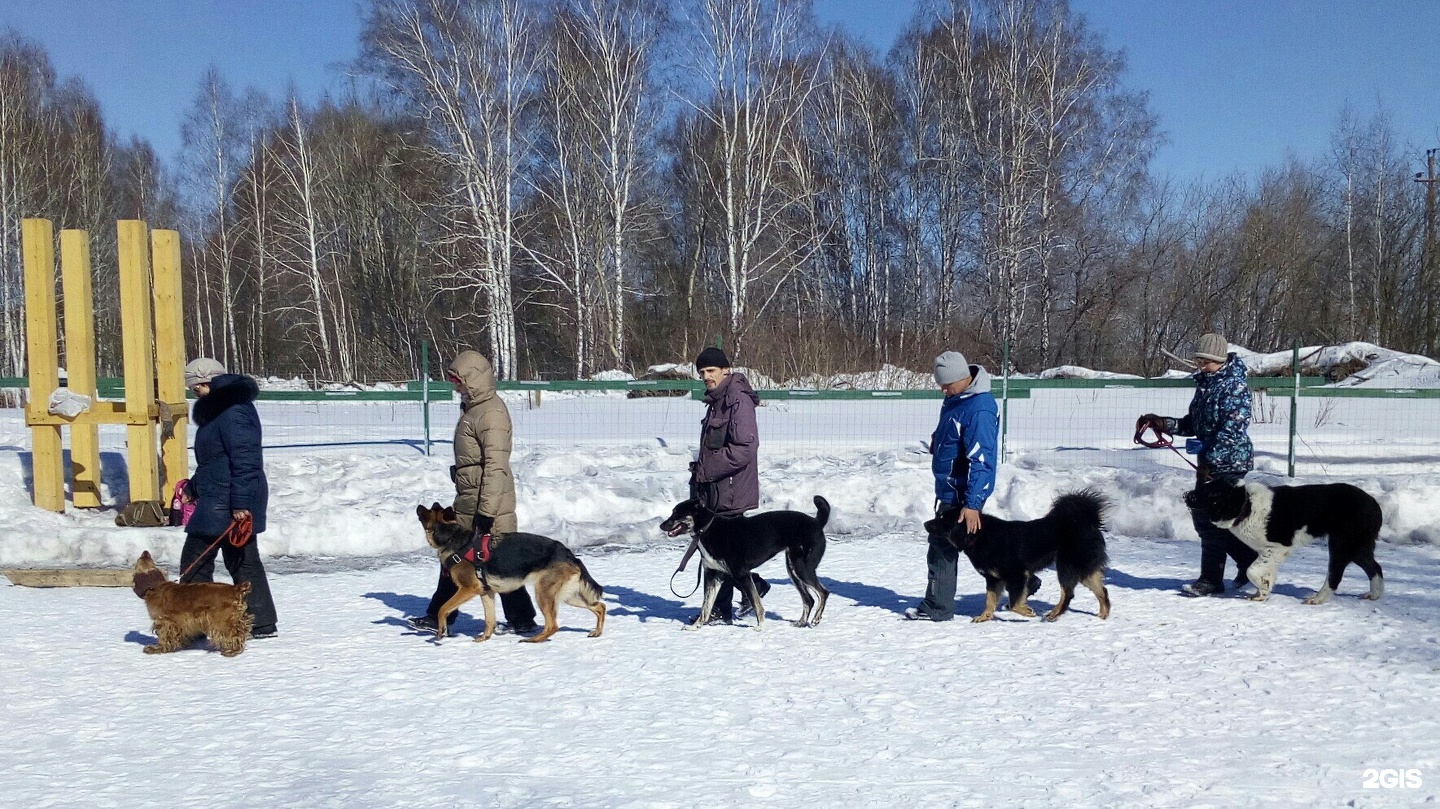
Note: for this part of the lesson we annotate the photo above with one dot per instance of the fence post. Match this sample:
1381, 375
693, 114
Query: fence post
425, 389
1294, 399
1004, 400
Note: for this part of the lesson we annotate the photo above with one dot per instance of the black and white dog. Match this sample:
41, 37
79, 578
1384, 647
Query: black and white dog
735, 546
1275, 521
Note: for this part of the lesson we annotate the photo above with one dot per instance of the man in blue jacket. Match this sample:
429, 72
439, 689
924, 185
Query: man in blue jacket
964, 459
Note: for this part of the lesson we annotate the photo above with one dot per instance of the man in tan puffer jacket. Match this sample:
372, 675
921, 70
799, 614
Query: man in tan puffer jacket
484, 486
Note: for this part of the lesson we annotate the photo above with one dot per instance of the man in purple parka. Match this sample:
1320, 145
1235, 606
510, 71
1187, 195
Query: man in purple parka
724, 477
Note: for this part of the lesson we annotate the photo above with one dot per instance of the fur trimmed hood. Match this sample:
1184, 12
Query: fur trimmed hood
226, 391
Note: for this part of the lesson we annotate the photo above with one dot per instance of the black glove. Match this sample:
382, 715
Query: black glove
452, 473
483, 524
1150, 421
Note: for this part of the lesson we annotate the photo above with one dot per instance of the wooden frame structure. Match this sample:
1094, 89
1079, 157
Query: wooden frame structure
154, 357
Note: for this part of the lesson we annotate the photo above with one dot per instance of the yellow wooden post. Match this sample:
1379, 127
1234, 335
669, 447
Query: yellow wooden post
41, 341
137, 325
80, 364
170, 353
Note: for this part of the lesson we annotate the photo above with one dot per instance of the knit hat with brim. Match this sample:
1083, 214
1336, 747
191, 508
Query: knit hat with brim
201, 370
1212, 347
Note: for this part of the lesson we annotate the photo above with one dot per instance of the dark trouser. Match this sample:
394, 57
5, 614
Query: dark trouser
519, 610
1217, 543
725, 598
943, 561
244, 565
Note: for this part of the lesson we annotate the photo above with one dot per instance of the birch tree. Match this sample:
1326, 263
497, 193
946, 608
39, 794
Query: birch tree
469, 67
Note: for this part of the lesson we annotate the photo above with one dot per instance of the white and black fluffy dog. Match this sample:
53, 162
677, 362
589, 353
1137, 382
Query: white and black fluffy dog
1275, 521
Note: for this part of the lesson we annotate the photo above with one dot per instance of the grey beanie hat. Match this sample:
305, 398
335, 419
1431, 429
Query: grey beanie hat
201, 370
951, 367
1212, 347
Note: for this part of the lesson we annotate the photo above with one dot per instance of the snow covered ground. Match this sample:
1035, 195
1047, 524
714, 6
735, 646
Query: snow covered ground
1171, 702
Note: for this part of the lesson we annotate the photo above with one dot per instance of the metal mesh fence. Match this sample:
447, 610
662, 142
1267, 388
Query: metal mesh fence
1079, 423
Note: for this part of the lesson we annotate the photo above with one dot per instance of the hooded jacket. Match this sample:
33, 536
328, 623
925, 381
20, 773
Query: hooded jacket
964, 445
1220, 417
229, 464
483, 482
726, 472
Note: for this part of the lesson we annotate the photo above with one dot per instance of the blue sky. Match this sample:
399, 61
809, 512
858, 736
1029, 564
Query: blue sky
1237, 84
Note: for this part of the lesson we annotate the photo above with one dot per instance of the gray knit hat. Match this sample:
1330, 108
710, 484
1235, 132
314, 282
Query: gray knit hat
202, 370
951, 367
1212, 347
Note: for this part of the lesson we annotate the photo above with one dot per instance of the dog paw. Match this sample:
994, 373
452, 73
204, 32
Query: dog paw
1051, 616
1260, 596
154, 650
594, 634
980, 619
483, 638
1371, 596
1023, 610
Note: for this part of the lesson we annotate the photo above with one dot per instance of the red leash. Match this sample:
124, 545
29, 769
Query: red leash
239, 532
1162, 439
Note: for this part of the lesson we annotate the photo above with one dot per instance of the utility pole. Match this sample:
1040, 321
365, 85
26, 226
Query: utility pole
1427, 255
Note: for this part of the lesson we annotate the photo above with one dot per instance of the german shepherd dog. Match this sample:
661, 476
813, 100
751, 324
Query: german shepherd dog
507, 563
1008, 552
734, 546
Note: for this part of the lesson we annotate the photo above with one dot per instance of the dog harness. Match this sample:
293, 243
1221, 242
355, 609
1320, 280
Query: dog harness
470, 555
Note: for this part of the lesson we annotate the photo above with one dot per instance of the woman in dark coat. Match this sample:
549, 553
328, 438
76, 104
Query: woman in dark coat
228, 484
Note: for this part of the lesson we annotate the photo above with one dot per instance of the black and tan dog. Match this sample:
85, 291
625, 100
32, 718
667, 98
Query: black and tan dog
183, 612
506, 563
1008, 552
734, 546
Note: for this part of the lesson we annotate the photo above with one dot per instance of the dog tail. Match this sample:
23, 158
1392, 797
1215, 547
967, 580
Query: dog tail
1077, 519
589, 588
1084, 508
822, 510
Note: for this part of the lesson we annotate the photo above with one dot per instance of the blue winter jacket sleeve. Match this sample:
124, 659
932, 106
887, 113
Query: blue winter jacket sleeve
981, 430
972, 428
240, 434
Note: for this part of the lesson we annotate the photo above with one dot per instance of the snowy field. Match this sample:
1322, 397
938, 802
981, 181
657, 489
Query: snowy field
1171, 702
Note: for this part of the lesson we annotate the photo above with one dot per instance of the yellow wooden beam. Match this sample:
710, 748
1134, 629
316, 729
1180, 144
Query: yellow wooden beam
102, 412
80, 364
170, 353
42, 365
137, 326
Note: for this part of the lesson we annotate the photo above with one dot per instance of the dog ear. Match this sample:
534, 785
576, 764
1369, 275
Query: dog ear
449, 514
422, 512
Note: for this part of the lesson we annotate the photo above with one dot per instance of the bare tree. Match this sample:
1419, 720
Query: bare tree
469, 69
759, 84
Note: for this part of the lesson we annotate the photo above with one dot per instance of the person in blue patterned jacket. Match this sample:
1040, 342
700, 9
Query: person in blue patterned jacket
964, 459
1219, 417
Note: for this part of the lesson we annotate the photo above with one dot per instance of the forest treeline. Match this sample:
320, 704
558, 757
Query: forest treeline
580, 185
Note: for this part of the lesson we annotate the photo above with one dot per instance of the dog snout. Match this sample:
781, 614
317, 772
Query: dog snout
1192, 499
